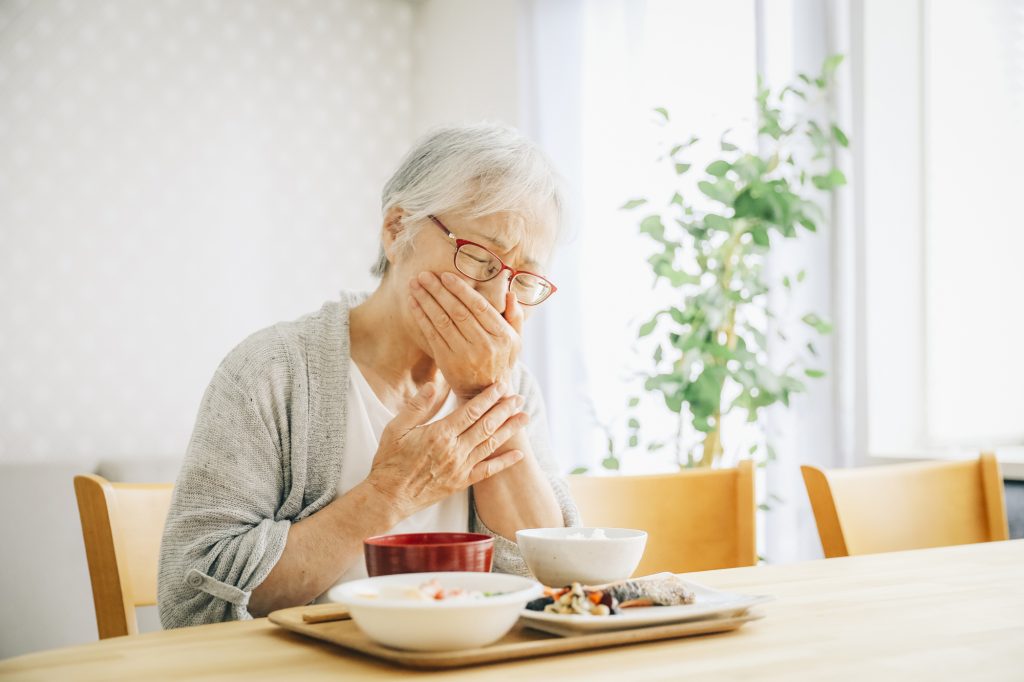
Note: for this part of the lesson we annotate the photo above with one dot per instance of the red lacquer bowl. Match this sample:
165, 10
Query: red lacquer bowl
428, 552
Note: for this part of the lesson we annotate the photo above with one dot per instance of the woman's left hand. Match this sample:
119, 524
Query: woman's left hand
473, 344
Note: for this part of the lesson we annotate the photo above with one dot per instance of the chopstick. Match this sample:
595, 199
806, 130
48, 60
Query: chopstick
325, 616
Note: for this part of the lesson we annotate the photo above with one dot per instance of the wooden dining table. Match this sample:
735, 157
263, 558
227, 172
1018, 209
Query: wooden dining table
945, 613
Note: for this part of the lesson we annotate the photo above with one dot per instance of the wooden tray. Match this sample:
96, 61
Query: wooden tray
520, 642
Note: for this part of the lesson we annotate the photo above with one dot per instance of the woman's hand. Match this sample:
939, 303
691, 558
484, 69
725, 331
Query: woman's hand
419, 464
473, 345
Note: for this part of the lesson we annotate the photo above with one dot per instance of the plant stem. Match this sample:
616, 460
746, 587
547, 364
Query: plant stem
679, 438
713, 441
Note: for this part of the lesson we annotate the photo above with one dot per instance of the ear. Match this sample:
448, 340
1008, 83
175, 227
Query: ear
390, 232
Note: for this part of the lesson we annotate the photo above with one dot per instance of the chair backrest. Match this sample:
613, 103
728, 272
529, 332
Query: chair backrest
696, 520
122, 524
907, 506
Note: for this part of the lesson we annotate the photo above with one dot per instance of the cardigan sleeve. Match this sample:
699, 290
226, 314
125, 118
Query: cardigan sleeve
223, 533
507, 557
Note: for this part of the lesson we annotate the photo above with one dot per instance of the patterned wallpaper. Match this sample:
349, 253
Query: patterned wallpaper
175, 174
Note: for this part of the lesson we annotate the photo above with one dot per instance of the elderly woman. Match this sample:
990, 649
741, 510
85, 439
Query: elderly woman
405, 410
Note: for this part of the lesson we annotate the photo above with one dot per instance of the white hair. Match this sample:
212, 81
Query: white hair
475, 170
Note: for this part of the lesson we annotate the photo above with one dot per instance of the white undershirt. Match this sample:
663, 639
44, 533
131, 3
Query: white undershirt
367, 417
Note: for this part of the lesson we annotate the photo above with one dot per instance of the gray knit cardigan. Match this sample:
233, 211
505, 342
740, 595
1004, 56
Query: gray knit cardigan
267, 450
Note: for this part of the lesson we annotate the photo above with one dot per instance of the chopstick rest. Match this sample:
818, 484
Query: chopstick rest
325, 616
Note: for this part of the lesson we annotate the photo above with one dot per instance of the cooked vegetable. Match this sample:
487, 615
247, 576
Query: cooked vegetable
576, 600
606, 600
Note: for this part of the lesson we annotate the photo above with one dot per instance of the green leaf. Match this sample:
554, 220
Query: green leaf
728, 146
647, 327
716, 222
610, 462
675, 150
633, 441
808, 224
634, 401
834, 178
718, 168
633, 423
801, 275
664, 113
832, 63
705, 393
814, 373
658, 353
677, 199
653, 226
819, 324
578, 470
723, 190
840, 136
813, 351
818, 139
760, 235
796, 91
676, 278
632, 203
786, 283
682, 168
750, 167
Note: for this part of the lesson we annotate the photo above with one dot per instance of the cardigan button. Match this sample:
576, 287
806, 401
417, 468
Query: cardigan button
195, 579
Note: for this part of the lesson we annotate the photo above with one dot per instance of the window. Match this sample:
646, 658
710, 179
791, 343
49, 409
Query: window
944, 237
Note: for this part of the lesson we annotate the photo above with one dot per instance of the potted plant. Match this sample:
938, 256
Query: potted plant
710, 344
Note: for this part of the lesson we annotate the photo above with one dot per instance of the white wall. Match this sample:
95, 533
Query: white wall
466, 62
173, 177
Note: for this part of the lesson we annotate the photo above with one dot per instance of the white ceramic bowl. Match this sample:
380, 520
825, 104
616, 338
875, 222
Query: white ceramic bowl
559, 557
446, 625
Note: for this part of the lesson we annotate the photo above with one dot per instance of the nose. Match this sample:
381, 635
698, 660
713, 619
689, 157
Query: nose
494, 291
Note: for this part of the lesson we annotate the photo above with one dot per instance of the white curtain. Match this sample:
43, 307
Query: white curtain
593, 73
796, 36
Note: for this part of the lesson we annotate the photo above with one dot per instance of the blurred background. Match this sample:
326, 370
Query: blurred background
176, 174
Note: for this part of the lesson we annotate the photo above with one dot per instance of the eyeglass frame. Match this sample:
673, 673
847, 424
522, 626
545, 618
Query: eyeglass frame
459, 243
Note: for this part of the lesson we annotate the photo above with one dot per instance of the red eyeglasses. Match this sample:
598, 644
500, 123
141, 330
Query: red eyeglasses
478, 263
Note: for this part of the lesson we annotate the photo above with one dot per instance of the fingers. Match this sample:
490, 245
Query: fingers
421, 406
495, 427
490, 445
489, 318
466, 416
514, 312
460, 315
435, 314
494, 465
430, 333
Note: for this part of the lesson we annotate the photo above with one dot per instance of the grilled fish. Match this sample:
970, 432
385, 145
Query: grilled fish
660, 591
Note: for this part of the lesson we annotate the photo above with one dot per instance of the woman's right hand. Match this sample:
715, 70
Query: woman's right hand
418, 464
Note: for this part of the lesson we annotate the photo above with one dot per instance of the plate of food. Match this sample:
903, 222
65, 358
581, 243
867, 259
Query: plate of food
440, 611
653, 600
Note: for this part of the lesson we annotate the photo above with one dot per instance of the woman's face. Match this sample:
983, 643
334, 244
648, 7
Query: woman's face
520, 245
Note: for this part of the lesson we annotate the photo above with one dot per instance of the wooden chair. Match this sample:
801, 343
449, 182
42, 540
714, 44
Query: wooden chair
122, 524
696, 520
907, 506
